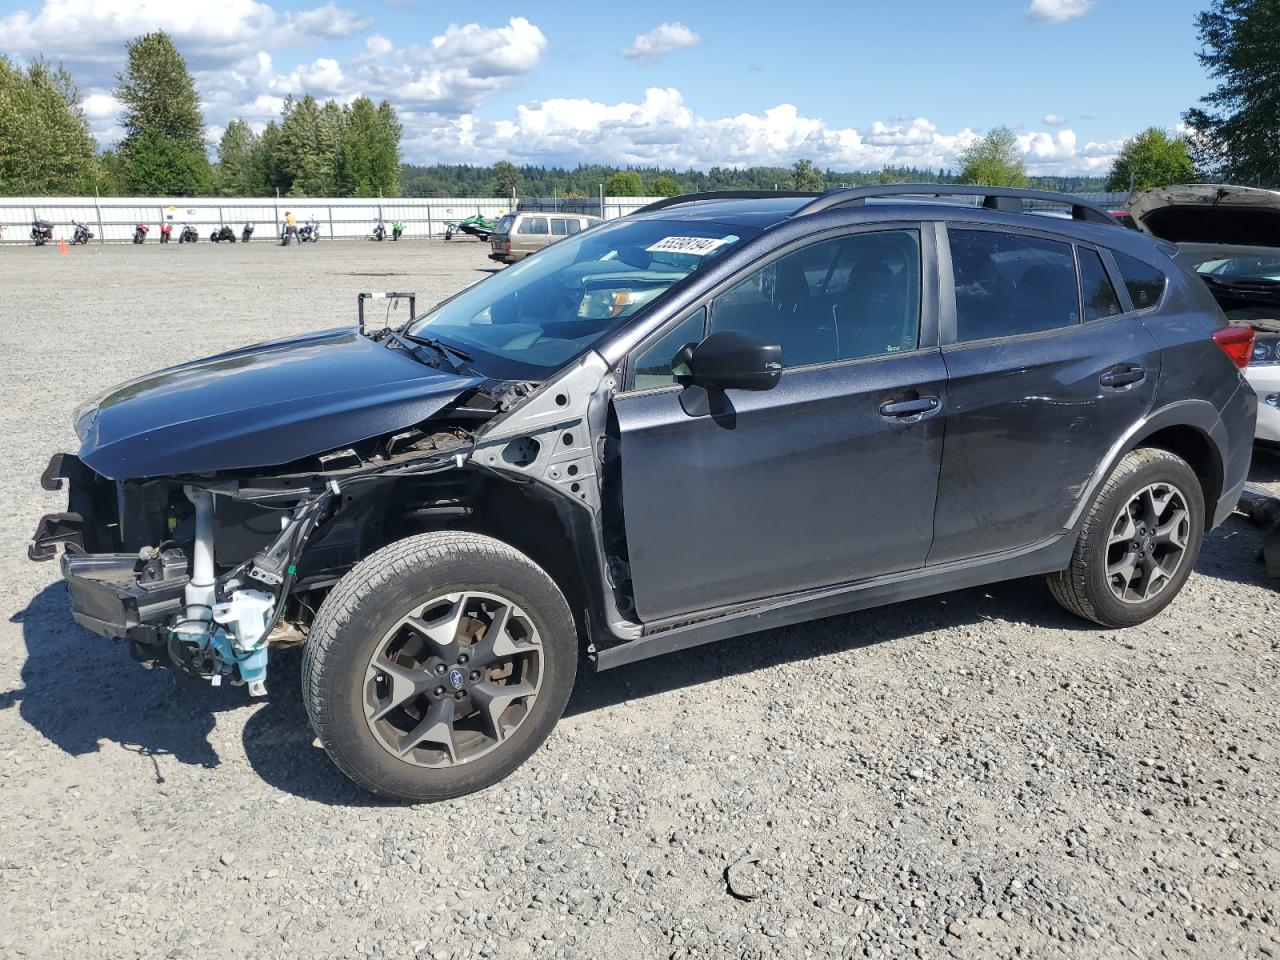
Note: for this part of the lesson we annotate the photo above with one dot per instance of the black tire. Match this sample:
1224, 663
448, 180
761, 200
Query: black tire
371, 599
1085, 588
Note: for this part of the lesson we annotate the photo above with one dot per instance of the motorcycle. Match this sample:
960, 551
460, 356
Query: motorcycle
166, 232
82, 233
246, 233
188, 234
397, 229
140, 233
379, 231
223, 233
309, 232
41, 232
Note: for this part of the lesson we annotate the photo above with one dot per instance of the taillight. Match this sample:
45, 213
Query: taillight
1236, 343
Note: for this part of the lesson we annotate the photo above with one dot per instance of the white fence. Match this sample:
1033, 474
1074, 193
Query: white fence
113, 219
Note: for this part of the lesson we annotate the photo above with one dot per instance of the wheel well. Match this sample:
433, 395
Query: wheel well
1199, 452
512, 512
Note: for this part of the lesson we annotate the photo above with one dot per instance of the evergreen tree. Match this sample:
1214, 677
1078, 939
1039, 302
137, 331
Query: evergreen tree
236, 175
805, 176
163, 150
367, 162
45, 144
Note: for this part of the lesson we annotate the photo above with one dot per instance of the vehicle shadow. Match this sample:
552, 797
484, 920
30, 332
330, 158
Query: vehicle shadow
79, 690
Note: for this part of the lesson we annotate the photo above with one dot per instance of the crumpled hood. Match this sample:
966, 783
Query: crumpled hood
1209, 213
261, 406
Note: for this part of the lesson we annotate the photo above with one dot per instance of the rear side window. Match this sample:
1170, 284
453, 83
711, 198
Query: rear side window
536, 225
574, 225
559, 228
1100, 300
1144, 282
1008, 285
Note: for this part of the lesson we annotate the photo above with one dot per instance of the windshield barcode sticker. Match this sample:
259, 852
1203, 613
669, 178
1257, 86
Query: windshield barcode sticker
693, 246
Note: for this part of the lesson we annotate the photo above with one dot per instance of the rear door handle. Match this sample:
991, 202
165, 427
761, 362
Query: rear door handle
1123, 376
909, 408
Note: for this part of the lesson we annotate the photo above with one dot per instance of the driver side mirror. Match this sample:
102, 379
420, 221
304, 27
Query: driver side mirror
731, 360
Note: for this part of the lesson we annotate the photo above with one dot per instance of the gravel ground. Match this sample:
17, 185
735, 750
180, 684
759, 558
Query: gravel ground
977, 774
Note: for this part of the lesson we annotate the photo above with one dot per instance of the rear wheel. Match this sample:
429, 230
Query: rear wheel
438, 665
1138, 543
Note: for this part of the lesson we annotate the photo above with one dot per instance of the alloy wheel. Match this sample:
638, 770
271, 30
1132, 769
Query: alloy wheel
1148, 543
453, 679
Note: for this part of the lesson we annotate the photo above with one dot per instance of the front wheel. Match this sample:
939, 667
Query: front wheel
1138, 543
438, 665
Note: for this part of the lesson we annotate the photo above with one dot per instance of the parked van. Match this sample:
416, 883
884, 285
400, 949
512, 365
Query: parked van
519, 234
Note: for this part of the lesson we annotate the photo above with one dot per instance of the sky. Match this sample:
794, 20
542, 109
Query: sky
846, 83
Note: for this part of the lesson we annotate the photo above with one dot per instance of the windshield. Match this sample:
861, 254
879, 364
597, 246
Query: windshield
1252, 267
531, 318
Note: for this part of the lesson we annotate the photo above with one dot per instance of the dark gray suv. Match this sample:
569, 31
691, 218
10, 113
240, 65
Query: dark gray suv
724, 413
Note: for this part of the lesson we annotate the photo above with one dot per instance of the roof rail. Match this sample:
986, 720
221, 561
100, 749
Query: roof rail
725, 195
1008, 199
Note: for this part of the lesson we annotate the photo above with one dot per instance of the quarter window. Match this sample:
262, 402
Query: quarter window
536, 225
1100, 300
1008, 285
1144, 282
657, 366
841, 299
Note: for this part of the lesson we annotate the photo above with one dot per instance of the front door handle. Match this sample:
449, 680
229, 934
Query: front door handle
1123, 376
909, 408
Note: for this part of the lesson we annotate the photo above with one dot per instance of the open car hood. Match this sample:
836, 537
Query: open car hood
1209, 213
261, 406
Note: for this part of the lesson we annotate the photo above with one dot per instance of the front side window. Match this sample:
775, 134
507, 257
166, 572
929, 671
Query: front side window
534, 225
841, 299
531, 318
1009, 285
1144, 282
1100, 300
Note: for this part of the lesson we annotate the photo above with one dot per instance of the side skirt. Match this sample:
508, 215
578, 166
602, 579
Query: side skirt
681, 633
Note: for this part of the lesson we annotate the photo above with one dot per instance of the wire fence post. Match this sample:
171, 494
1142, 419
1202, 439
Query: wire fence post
602, 201
330, 209
97, 209
430, 231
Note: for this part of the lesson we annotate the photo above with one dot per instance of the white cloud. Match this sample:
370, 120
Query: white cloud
663, 129
661, 40
1055, 11
1054, 120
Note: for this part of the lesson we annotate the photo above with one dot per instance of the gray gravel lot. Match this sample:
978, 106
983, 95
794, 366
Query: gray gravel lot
977, 774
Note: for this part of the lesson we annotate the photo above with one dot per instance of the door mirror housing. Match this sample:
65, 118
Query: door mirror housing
733, 360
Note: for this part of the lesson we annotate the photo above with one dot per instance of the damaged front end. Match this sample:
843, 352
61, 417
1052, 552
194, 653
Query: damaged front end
205, 573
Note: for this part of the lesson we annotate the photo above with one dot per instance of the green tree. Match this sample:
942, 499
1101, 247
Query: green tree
1151, 159
665, 186
45, 144
805, 176
1236, 128
506, 179
624, 183
995, 160
368, 156
163, 150
235, 175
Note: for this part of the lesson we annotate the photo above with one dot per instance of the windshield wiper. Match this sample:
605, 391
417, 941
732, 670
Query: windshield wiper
452, 353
